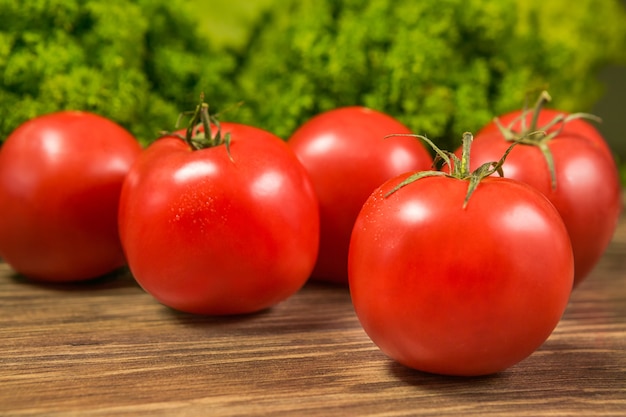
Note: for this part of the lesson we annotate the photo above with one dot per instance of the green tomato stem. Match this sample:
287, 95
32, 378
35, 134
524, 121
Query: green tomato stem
199, 132
459, 168
535, 135
544, 98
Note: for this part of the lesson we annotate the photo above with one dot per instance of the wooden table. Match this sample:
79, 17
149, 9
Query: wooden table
106, 348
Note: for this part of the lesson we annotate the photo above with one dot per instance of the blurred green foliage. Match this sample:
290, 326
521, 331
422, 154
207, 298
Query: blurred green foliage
228, 22
138, 62
443, 67
440, 66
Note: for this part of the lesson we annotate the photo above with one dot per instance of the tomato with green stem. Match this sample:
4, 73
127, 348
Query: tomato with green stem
222, 222
563, 156
459, 272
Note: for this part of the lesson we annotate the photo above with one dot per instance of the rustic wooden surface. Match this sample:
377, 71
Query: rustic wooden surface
108, 349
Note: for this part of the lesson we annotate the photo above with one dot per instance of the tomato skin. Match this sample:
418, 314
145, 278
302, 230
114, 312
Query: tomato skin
347, 156
206, 234
588, 189
457, 291
60, 180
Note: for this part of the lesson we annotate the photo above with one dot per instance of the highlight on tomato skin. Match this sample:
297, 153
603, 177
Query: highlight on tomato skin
347, 155
230, 227
60, 181
459, 273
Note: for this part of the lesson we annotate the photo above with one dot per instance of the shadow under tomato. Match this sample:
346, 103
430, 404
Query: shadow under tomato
119, 278
435, 381
559, 367
202, 320
315, 308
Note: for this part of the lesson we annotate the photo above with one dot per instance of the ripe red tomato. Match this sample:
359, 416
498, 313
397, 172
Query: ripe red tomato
217, 230
347, 156
459, 291
585, 188
60, 180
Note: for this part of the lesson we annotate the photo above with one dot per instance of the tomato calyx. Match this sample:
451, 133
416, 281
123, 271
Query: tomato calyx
458, 168
199, 132
540, 136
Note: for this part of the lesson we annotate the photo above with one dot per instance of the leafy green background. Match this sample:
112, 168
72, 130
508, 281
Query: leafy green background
141, 62
137, 62
228, 22
237, 17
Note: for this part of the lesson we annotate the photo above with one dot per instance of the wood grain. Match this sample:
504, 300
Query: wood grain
108, 349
